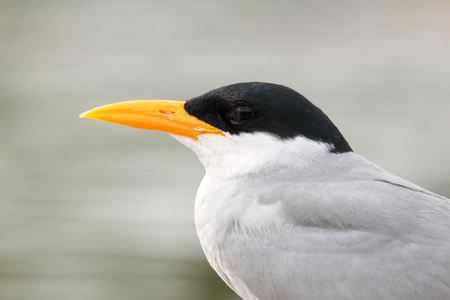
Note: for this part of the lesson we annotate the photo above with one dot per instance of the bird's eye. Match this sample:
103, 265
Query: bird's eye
239, 114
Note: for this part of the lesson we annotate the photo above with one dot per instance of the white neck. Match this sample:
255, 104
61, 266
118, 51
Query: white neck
238, 155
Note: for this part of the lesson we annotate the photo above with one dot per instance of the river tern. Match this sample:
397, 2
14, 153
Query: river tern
286, 210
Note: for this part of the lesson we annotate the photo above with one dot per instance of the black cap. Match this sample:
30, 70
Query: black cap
264, 107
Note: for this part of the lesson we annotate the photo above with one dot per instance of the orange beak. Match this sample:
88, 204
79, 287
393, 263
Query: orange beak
169, 116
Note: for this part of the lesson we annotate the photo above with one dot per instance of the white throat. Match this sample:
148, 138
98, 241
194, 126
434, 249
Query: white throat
238, 155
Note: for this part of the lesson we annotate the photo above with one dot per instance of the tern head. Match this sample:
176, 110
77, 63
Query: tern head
254, 125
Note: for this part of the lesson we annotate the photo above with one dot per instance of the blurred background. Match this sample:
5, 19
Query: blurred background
94, 210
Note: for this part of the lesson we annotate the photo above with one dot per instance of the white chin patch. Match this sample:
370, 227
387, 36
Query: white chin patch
203, 143
187, 141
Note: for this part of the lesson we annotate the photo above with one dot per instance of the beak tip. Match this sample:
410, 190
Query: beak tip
84, 115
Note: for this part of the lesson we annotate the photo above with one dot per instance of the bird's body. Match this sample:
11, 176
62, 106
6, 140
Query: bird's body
321, 226
368, 235
288, 211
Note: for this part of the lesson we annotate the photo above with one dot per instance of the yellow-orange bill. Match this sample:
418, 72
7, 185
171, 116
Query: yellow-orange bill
169, 116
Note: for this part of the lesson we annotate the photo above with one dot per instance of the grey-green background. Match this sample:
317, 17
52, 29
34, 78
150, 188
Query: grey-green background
93, 210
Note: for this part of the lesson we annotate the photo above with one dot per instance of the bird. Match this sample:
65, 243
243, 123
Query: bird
287, 210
